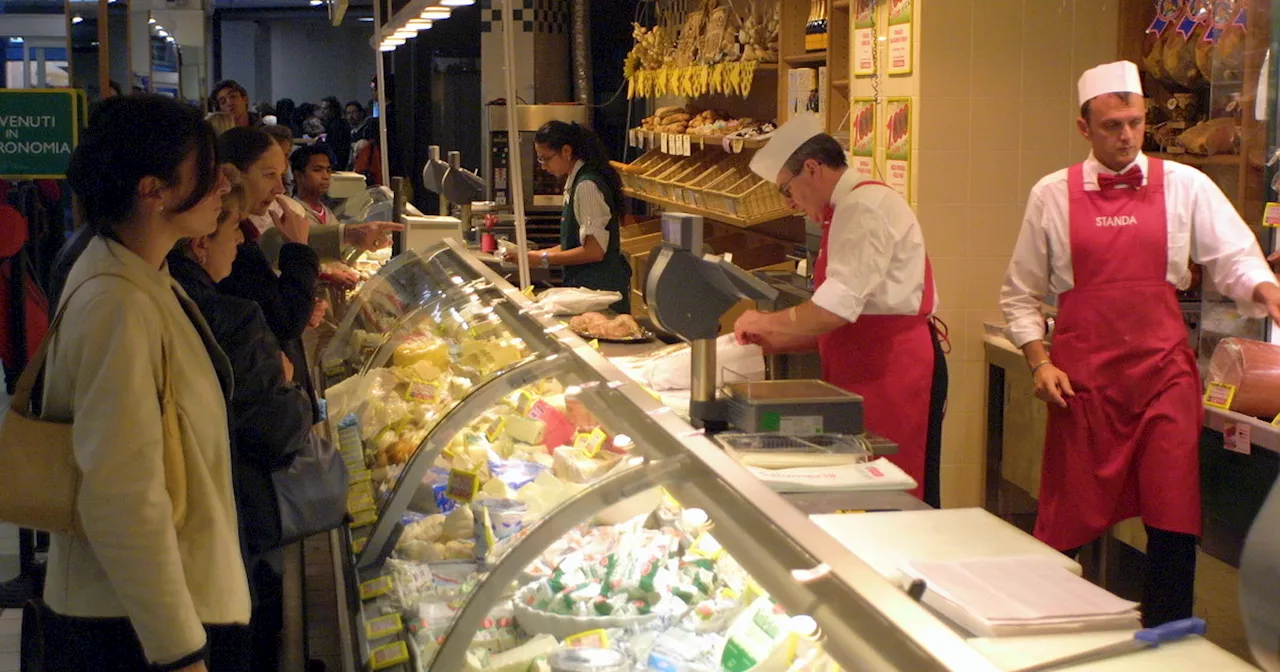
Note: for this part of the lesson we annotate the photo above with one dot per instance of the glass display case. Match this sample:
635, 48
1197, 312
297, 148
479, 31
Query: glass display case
518, 503
1211, 90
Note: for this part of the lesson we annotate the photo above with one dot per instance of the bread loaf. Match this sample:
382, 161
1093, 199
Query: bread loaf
670, 109
1253, 367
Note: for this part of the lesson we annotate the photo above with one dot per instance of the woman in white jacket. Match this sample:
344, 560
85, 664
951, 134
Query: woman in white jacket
146, 586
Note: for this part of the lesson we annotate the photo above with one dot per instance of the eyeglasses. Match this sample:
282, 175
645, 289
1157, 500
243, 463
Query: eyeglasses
544, 160
785, 189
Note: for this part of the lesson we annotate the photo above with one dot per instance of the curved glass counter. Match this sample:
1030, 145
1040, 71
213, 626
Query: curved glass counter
552, 503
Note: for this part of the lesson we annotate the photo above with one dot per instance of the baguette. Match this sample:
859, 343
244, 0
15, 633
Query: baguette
670, 109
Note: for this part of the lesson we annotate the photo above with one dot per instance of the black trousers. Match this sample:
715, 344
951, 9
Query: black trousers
267, 620
1168, 585
52, 642
937, 411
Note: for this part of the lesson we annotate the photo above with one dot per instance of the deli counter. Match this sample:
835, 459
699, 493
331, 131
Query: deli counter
474, 546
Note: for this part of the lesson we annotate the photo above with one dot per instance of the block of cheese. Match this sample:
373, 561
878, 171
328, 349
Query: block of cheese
518, 659
432, 351
526, 430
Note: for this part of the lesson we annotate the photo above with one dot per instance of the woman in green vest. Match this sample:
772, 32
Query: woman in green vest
589, 237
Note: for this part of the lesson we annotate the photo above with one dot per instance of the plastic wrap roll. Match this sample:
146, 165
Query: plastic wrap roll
1253, 367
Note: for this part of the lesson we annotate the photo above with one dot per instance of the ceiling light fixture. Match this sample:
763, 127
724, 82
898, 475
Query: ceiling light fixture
365, 19
77, 19
457, 3
434, 13
317, 3
151, 21
162, 33
420, 24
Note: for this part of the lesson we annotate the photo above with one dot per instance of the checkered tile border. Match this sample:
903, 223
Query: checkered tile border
548, 17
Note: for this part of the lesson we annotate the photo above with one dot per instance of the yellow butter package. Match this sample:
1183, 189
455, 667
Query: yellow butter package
387, 656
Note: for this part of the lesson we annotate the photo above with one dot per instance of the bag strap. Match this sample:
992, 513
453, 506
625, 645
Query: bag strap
21, 402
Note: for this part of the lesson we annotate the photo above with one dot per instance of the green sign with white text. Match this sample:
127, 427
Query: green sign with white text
38, 130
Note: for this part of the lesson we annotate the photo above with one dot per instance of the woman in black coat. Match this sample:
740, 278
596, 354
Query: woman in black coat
271, 416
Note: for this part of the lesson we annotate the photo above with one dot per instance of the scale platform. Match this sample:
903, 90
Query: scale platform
792, 407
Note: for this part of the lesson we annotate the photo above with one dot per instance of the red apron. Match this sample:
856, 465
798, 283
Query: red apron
888, 360
1128, 443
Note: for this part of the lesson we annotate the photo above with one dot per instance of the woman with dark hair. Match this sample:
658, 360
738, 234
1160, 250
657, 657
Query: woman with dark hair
157, 579
285, 111
589, 236
271, 416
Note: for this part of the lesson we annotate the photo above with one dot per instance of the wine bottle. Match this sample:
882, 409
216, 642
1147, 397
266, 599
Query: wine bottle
815, 31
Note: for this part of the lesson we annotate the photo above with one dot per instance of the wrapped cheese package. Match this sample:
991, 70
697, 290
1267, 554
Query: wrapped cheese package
1253, 368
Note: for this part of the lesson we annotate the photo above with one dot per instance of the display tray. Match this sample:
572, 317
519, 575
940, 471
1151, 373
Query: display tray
645, 336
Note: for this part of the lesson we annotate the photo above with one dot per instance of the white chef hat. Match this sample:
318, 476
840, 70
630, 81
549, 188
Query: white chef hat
768, 161
1117, 77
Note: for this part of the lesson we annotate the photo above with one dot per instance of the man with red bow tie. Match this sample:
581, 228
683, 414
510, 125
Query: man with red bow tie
1111, 238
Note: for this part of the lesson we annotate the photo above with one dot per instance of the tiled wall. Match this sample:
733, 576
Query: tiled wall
996, 112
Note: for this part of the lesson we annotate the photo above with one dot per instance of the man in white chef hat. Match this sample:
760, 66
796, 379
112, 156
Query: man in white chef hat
1111, 238
870, 318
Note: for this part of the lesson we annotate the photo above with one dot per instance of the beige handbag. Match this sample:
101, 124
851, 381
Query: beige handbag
40, 474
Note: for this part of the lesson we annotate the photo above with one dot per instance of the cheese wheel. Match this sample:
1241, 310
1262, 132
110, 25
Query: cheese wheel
1253, 367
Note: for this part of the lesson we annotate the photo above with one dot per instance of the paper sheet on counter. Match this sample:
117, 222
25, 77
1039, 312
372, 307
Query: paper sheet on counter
878, 474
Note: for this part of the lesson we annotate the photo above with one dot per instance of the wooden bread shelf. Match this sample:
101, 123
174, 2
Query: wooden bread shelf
811, 58
841, 4
697, 142
842, 84
709, 214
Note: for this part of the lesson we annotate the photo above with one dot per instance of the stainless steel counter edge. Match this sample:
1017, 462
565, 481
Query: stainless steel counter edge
1262, 433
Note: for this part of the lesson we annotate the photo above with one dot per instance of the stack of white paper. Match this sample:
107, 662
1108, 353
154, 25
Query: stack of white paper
1019, 596
878, 474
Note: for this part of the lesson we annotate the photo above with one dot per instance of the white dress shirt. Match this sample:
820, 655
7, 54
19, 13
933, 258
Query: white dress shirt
875, 253
589, 208
1203, 227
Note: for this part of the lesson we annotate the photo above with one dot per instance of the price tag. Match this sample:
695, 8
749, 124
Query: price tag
375, 588
422, 392
463, 485
524, 402
528, 291
357, 545
359, 502
495, 429
688, 145
1271, 216
384, 626
364, 487
633, 138
594, 343
387, 656
665, 143
589, 444
1219, 395
363, 518
1237, 437
591, 639
1276, 421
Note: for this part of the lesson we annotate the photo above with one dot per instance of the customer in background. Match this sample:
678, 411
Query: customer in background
358, 120
337, 133
283, 137
367, 159
288, 299
230, 97
286, 109
143, 588
271, 416
312, 171
221, 122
